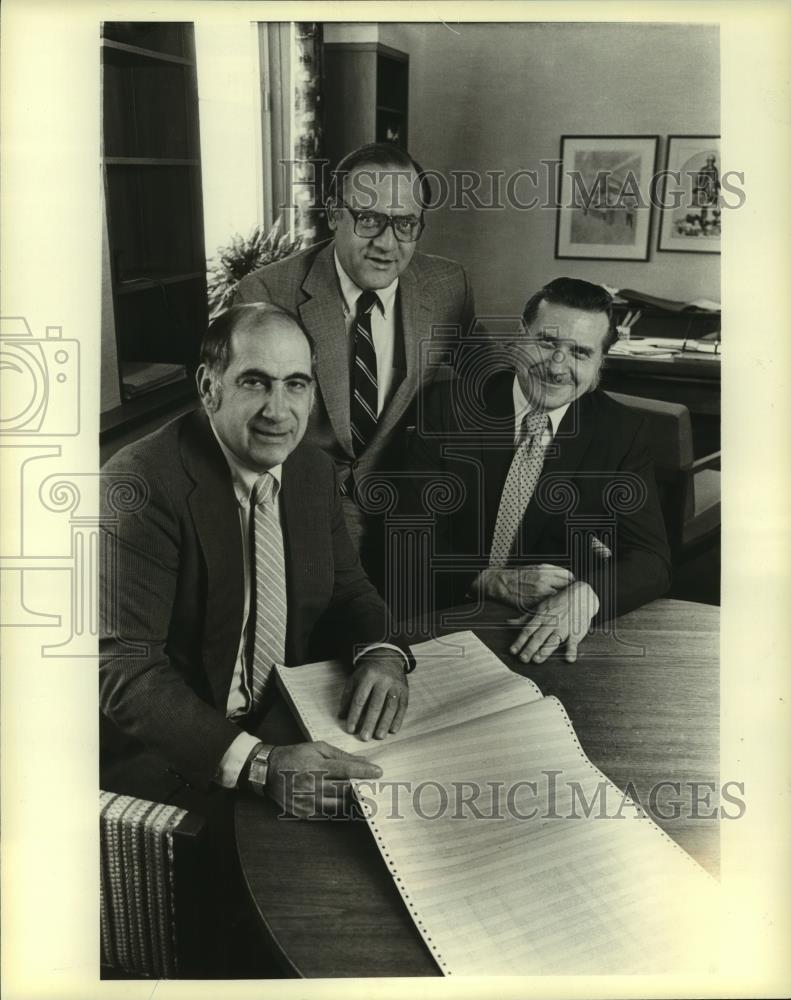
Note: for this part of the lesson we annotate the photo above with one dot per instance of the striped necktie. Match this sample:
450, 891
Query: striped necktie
520, 484
365, 393
269, 575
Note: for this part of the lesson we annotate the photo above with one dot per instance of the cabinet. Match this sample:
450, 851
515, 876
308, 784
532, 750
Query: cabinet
366, 96
152, 189
690, 379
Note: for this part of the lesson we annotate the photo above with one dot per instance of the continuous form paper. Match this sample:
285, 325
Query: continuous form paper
531, 882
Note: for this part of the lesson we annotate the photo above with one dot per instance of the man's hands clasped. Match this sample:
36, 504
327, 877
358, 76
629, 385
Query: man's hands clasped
522, 586
561, 618
559, 608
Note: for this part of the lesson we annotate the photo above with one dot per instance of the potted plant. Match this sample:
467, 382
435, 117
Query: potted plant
241, 256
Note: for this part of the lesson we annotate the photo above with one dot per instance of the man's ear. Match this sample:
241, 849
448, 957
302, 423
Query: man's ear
597, 376
206, 388
331, 208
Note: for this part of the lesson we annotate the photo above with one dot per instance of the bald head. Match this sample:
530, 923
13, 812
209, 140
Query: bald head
215, 352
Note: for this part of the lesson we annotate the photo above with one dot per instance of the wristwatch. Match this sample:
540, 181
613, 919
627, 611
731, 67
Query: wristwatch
257, 768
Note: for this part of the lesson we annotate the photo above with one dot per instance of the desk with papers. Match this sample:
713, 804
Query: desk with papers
643, 701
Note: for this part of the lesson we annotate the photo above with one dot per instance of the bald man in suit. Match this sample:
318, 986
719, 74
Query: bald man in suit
201, 606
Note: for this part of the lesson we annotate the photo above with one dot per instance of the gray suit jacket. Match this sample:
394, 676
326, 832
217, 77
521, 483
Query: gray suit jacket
172, 600
434, 294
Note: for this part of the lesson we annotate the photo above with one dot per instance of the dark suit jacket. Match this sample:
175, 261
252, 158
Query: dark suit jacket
173, 595
434, 295
597, 481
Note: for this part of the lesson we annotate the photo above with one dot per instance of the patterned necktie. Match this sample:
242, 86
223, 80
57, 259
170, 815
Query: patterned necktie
269, 574
365, 394
519, 486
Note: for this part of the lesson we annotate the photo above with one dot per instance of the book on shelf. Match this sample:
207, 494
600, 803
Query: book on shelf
554, 870
139, 377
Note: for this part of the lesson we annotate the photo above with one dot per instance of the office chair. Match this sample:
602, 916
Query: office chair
150, 861
689, 488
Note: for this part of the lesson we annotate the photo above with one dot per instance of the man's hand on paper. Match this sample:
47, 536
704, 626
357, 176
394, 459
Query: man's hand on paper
309, 779
523, 586
376, 695
564, 617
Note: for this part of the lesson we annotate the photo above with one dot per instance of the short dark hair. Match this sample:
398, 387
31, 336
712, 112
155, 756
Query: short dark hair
576, 294
382, 155
215, 351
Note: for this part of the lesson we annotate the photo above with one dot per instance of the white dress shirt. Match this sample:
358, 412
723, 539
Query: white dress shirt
383, 329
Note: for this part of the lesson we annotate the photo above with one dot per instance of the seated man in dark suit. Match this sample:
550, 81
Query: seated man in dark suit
557, 511
226, 551
367, 298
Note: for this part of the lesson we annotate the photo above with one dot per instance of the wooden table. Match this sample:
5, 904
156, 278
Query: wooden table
644, 701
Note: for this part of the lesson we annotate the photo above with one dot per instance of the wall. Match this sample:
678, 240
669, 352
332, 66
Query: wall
499, 96
230, 128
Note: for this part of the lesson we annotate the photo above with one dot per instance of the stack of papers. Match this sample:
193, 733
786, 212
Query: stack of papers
630, 348
666, 347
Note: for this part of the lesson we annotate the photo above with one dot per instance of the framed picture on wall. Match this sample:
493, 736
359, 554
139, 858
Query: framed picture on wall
690, 220
604, 200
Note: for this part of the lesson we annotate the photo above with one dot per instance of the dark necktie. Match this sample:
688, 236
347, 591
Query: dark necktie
365, 393
520, 484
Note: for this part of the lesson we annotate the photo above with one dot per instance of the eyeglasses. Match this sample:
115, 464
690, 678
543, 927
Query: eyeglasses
368, 225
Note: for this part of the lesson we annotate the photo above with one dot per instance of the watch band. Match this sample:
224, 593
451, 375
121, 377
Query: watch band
259, 768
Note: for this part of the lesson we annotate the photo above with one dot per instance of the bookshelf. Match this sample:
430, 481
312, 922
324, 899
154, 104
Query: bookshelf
367, 96
155, 265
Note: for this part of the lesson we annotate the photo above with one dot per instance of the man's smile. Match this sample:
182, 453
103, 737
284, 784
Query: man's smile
269, 432
553, 381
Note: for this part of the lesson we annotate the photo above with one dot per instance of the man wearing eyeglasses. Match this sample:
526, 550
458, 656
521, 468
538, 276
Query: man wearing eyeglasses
368, 299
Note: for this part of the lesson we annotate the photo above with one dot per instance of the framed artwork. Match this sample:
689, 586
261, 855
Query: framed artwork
604, 202
691, 195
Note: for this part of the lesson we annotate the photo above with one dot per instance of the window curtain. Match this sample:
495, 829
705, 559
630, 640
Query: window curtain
292, 127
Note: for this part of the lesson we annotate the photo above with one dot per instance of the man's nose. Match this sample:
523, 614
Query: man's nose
274, 404
386, 240
557, 361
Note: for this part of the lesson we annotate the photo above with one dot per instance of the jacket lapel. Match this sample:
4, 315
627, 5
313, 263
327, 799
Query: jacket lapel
215, 515
322, 316
310, 570
563, 457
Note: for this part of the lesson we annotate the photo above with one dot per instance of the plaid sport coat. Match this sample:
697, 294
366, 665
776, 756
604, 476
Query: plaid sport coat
434, 297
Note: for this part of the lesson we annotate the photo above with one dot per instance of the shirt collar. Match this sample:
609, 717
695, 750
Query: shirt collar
351, 292
522, 407
244, 479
